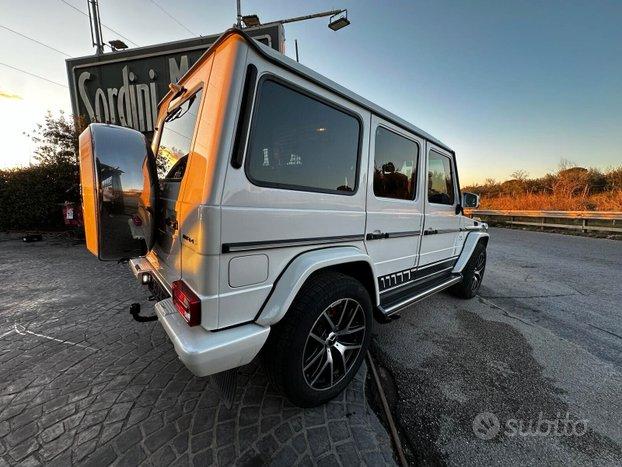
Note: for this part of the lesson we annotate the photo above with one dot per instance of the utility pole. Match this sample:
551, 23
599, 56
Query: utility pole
239, 13
96, 26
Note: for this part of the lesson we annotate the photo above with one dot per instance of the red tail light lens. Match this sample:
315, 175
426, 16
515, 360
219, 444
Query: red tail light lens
187, 303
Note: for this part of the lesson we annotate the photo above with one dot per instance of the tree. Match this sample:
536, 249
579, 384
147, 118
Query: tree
520, 175
57, 139
565, 164
572, 181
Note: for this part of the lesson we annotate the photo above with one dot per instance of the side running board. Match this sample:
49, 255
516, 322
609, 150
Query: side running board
435, 287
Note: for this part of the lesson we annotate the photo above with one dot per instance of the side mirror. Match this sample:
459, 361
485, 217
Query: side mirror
470, 200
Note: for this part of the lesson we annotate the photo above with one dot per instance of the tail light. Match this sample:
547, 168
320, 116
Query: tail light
187, 303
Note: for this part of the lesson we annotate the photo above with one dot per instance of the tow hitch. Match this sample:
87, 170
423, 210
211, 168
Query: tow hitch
135, 312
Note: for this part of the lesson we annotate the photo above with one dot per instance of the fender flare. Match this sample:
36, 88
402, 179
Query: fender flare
297, 273
473, 238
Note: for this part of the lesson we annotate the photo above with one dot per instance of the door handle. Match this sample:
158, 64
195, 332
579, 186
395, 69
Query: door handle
430, 232
376, 235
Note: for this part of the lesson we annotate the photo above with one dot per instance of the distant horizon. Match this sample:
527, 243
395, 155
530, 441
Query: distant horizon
474, 182
509, 86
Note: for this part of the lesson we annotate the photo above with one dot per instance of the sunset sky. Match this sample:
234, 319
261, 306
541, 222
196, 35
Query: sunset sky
509, 85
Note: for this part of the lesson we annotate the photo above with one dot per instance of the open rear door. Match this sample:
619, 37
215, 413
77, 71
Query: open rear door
119, 191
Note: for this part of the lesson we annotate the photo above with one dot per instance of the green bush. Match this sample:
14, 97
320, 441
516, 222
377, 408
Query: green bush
30, 197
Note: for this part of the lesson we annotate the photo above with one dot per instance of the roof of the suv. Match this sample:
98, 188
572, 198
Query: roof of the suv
307, 73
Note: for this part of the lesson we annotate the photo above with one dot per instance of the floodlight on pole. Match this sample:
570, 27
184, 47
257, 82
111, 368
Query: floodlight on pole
117, 45
251, 21
339, 20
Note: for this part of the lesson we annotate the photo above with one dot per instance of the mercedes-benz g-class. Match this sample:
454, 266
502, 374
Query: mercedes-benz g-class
295, 214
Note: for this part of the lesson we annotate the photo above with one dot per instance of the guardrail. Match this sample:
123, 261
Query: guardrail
584, 221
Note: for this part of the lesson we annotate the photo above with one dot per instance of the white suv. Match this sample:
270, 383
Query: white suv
294, 215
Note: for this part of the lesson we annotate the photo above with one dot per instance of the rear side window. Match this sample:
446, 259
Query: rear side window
440, 179
176, 138
302, 143
395, 165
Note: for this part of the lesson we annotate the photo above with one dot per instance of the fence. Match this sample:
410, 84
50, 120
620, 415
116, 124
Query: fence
584, 221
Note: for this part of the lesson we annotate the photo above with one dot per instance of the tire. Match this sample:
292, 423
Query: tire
331, 315
472, 274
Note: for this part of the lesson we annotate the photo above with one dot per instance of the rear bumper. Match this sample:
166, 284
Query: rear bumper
204, 352
160, 288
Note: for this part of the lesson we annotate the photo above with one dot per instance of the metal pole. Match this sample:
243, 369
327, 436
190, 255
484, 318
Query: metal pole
387, 412
96, 30
304, 18
296, 44
239, 13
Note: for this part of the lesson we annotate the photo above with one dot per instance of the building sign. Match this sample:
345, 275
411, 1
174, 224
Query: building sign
124, 87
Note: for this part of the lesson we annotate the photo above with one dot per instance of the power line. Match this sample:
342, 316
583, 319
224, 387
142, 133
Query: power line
34, 74
107, 27
173, 18
34, 40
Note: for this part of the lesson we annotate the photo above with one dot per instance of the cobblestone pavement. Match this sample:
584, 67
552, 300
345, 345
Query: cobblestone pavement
81, 382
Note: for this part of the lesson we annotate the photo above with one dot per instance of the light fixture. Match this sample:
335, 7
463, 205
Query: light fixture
339, 20
251, 20
117, 45
320, 130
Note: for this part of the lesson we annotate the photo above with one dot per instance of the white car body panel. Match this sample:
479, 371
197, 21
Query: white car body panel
472, 239
297, 273
246, 250
394, 217
441, 218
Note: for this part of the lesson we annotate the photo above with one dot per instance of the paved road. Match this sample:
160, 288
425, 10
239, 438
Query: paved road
82, 383
542, 343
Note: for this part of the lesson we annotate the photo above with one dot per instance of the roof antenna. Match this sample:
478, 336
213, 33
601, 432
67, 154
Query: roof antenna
296, 44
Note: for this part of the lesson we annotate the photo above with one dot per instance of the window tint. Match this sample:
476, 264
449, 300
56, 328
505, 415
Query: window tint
440, 179
177, 137
299, 142
395, 165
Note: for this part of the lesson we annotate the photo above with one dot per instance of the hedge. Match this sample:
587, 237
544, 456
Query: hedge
30, 197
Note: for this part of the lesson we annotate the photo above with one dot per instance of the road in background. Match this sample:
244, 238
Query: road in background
542, 342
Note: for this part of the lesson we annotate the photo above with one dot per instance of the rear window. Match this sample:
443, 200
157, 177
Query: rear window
176, 138
300, 142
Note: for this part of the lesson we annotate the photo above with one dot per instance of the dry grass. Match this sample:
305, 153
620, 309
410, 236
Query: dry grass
607, 201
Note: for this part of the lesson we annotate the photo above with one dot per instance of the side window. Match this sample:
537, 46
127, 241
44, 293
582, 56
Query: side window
440, 179
176, 138
395, 165
301, 143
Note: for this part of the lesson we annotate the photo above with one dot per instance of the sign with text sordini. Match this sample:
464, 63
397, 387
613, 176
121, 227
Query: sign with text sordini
124, 87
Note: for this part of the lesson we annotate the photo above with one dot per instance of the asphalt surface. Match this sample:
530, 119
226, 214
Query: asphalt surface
529, 371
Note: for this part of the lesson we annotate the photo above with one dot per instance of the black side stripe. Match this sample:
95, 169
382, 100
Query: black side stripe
440, 231
407, 276
382, 235
269, 244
